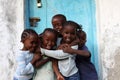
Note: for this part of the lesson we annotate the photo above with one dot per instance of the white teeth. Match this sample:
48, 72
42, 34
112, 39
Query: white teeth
68, 39
48, 47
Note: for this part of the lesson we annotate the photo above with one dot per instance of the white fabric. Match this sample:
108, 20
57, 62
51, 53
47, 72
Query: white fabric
45, 72
67, 65
24, 69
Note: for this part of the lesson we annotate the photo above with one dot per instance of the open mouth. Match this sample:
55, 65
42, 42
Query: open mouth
68, 40
58, 30
48, 47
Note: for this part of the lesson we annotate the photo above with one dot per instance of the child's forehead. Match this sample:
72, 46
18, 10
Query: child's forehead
48, 33
69, 27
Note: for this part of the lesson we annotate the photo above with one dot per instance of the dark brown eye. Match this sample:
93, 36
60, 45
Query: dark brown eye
66, 33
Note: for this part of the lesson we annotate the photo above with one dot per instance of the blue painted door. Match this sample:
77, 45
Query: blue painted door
80, 11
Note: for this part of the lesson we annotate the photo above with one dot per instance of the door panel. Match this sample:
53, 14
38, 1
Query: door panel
80, 11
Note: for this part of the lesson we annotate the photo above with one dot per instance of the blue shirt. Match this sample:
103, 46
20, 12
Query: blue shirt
86, 69
24, 69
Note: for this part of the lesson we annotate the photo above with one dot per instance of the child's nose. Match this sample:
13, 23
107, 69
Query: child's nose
69, 35
49, 43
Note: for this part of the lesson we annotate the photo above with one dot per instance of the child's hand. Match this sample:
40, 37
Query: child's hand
36, 57
67, 49
62, 46
60, 77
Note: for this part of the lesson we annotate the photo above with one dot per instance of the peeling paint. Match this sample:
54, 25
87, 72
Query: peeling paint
114, 72
10, 32
108, 27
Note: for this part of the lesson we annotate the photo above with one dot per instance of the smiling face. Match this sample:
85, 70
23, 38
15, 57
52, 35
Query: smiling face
69, 34
48, 40
30, 43
57, 22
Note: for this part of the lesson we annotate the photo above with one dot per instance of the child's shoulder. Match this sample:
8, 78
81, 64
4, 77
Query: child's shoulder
20, 52
84, 47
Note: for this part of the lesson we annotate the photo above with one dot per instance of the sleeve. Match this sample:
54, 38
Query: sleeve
86, 49
58, 54
23, 67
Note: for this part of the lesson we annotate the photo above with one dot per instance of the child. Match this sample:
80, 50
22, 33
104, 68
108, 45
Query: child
25, 57
48, 41
57, 21
67, 64
86, 69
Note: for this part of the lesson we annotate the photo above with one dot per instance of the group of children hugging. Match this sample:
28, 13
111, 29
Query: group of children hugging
55, 54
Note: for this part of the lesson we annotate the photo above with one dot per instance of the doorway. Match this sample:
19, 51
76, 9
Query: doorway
80, 11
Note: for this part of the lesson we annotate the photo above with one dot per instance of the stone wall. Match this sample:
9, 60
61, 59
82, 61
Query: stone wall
108, 30
11, 25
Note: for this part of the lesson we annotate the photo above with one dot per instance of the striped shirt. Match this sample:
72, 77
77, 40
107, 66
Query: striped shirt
24, 69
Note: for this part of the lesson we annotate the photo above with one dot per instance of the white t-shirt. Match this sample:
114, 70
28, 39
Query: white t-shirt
66, 63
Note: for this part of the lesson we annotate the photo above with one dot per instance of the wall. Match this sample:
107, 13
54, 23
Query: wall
11, 25
108, 26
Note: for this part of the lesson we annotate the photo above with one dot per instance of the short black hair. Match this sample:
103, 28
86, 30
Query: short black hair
26, 33
51, 30
72, 23
60, 15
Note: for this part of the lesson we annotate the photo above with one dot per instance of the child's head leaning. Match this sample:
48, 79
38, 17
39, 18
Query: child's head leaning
49, 38
69, 32
57, 21
29, 38
82, 38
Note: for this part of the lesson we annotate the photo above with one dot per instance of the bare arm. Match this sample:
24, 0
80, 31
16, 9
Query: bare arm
41, 62
84, 53
57, 54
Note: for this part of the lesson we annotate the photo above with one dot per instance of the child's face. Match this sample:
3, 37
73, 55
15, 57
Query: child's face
82, 39
57, 23
49, 40
69, 34
31, 43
